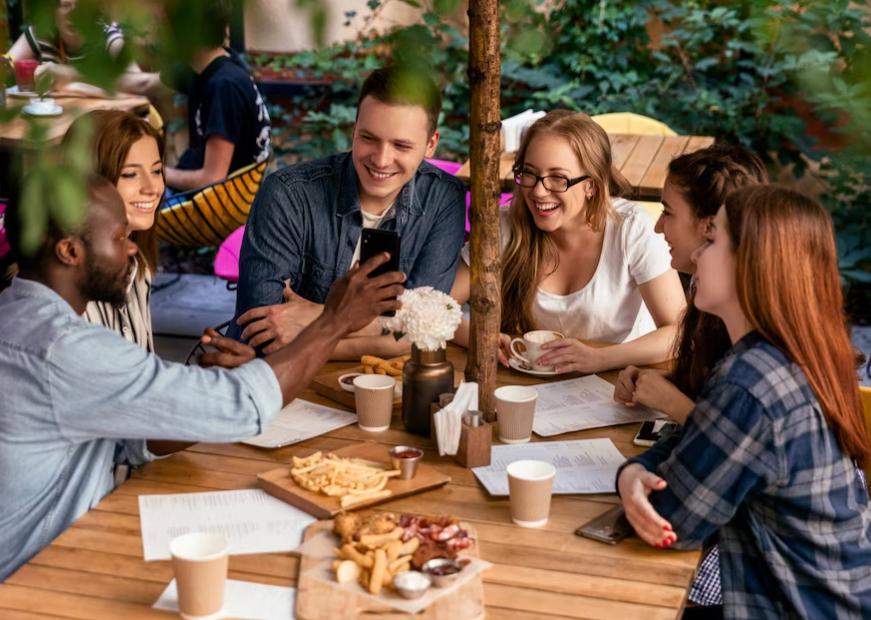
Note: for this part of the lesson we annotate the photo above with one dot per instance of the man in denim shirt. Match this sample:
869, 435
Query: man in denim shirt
78, 398
304, 228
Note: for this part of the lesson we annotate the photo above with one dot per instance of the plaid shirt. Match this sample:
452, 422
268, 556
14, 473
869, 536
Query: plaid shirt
757, 463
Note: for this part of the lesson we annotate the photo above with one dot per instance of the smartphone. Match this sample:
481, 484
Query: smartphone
611, 527
373, 241
652, 431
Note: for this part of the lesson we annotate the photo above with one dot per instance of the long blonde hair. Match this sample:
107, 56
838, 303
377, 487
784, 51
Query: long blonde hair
530, 250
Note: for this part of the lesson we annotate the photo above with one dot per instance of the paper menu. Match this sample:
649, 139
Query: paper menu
582, 466
578, 404
299, 421
243, 599
252, 520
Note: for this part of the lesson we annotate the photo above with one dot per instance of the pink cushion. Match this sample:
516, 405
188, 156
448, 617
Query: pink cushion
227, 256
4, 244
451, 167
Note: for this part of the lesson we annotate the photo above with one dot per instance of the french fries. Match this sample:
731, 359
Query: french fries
379, 366
353, 481
377, 554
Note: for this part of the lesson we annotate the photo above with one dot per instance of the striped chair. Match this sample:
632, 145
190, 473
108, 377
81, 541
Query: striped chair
206, 216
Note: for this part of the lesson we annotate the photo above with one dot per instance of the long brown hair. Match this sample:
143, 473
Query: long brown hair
113, 132
789, 288
529, 250
704, 178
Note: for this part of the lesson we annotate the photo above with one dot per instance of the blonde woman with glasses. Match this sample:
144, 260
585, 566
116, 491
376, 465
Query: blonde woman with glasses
578, 259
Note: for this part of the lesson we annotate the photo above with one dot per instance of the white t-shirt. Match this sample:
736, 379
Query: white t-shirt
609, 307
369, 221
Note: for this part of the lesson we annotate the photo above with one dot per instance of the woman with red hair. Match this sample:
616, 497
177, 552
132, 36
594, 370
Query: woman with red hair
767, 458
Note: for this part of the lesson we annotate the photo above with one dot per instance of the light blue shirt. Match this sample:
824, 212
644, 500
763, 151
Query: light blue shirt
76, 398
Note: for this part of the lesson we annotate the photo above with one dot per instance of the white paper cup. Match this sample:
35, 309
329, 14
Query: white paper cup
200, 562
530, 484
373, 396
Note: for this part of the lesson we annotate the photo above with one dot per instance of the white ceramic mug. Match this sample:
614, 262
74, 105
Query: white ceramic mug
532, 342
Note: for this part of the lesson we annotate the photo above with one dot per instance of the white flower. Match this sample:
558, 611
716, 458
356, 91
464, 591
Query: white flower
428, 317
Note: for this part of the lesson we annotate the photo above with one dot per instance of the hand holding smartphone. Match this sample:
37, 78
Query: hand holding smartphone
374, 241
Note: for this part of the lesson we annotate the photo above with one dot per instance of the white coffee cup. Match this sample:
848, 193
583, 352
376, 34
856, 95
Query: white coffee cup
200, 561
532, 342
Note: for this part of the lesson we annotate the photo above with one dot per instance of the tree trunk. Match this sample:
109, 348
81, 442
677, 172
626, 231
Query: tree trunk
484, 152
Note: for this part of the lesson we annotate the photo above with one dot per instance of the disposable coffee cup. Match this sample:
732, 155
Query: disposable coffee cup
531, 349
530, 484
200, 561
373, 395
515, 411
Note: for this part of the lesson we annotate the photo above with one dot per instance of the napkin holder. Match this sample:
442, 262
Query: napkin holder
476, 439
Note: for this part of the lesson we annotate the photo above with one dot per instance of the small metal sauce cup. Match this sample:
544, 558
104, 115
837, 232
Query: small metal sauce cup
441, 581
406, 465
411, 584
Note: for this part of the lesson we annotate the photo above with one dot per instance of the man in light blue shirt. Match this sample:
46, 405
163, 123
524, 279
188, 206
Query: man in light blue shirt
77, 398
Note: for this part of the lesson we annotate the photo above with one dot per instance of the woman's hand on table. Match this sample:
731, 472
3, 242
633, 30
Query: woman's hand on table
650, 388
504, 349
571, 355
635, 485
653, 390
624, 389
229, 353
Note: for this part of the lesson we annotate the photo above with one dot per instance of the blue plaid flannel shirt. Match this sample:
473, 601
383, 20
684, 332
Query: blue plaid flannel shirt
757, 464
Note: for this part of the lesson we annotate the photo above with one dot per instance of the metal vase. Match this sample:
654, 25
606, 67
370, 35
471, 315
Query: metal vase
426, 375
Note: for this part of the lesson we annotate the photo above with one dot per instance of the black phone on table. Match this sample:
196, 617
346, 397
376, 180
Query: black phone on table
610, 527
652, 431
374, 241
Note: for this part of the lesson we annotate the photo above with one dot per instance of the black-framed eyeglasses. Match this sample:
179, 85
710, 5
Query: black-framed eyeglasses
552, 183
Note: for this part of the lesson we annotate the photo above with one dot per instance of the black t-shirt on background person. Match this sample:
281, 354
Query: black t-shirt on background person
224, 101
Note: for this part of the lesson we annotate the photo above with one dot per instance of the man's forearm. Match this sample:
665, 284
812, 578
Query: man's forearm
184, 180
382, 346
297, 363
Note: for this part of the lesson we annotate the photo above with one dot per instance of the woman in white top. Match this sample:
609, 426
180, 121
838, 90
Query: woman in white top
577, 259
129, 152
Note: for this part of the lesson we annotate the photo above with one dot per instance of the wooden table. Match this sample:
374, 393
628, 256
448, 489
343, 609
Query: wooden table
14, 133
643, 160
95, 568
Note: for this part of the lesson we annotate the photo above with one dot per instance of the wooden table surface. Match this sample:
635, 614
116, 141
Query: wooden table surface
14, 133
95, 568
643, 160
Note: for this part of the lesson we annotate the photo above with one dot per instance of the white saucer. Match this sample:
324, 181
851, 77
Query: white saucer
521, 366
13, 91
55, 110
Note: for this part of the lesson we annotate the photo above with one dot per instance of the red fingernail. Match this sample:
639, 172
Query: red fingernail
666, 528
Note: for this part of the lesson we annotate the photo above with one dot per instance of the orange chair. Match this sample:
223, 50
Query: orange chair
207, 215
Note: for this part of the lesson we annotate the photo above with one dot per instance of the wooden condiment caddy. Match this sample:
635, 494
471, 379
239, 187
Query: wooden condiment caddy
476, 439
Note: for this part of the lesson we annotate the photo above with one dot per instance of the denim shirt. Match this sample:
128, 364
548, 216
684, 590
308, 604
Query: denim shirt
305, 224
78, 398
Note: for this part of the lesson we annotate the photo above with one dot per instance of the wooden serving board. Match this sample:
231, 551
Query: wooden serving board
278, 482
328, 385
318, 600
